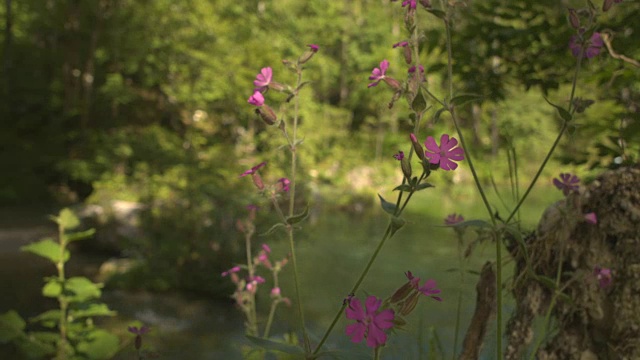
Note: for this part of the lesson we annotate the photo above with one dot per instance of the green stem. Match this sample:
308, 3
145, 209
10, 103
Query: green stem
62, 300
292, 196
387, 234
555, 143
252, 317
480, 190
459, 307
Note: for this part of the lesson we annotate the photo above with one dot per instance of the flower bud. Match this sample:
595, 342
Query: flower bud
406, 167
574, 20
313, 48
401, 293
395, 84
410, 304
417, 147
407, 55
267, 114
607, 5
257, 181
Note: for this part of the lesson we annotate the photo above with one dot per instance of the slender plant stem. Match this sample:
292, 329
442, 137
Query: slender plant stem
459, 307
252, 316
480, 190
555, 143
292, 196
387, 234
62, 300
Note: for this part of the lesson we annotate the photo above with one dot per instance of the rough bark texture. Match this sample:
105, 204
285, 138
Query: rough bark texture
598, 323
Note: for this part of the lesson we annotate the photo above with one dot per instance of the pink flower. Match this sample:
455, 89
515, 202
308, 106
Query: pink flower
591, 218
411, 3
453, 219
413, 69
378, 73
266, 248
138, 331
593, 46
400, 44
428, 289
234, 269
275, 292
256, 99
283, 184
370, 323
445, 154
313, 47
263, 79
603, 275
567, 183
399, 156
254, 169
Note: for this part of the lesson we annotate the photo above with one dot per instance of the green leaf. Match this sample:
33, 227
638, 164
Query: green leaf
79, 235
464, 98
93, 310
423, 186
47, 248
438, 13
67, 219
476, 223
277, 346
11, 326
298, 217
404, 187
436, 116
100, 345
274, 228
49, 318
82, 289
564, 114
52, 288
387, 206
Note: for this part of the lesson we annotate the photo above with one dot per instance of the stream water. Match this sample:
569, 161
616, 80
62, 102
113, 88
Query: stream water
331, 254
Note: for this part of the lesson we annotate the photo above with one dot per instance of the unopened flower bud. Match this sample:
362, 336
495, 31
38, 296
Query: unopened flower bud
417, 147
267, 114
395, 84
607, 5
313, 48
406, 167
410, 304
574, 20
401, 293
407, 55
257, 181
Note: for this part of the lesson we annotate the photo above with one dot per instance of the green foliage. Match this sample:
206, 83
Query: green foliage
73, 335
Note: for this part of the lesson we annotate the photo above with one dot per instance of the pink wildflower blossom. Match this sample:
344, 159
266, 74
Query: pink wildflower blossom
234, 269
263, 79
592, 47
313, 47
139, 331
603, 275
256, 99
399, 156
370, 323
283, 184
428, 289
453, 219
567, 183
254, 169
445, 154
378, 73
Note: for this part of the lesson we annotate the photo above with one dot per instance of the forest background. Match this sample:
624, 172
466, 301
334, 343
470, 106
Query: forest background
146, 101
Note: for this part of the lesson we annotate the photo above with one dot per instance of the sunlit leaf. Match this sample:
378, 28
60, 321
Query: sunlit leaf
47, 248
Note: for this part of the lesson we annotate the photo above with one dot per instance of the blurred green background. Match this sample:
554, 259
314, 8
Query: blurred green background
142, 104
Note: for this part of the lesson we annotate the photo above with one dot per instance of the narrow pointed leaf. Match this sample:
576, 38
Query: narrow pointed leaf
298, 217
564, 114
464, 98
81, 235
404, 187
277, 346
273, 228
387, 206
